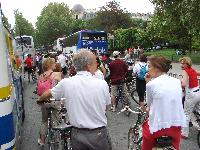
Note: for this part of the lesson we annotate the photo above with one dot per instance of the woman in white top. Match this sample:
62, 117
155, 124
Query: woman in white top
164, 99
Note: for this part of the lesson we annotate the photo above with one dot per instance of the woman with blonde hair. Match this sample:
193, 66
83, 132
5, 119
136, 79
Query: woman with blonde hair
48, 66
192, 92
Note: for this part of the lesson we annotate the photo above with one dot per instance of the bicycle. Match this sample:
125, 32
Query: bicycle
31, 72
122, 99
196, 124
135, 134
132, 92
33, 75
59, 136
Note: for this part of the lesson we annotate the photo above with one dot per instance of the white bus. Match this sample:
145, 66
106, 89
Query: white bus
25, 46
57, 44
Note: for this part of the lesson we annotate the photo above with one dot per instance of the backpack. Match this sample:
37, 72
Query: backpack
141, 73
44, 84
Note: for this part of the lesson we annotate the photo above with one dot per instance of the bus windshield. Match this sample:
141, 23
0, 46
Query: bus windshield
24, 40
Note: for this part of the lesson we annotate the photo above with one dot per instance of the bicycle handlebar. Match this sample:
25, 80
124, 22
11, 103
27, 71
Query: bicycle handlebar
53, 99
127, 108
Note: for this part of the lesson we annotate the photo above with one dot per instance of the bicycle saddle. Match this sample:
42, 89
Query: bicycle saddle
163, 141
62, 127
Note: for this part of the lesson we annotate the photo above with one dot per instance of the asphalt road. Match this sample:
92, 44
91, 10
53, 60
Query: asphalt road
118, 125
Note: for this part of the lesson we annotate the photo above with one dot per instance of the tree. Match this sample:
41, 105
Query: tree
139, 23
131, 37
54, 22
111, 17
184, 14
78, 25
6, 23
22, 26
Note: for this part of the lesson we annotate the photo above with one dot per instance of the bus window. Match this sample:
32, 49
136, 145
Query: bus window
87, 39
27, 40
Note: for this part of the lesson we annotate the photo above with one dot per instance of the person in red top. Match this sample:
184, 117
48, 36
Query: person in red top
29, 65
192, 92
118, 70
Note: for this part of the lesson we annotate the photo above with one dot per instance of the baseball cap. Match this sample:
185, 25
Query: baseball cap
116, 53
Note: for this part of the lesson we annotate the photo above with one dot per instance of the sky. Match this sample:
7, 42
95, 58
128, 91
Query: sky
31, 9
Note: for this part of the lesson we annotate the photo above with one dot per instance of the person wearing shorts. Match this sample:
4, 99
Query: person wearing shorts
29, 65
118, 70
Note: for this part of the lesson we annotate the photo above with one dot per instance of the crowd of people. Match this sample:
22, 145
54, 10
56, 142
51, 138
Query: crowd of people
97, 79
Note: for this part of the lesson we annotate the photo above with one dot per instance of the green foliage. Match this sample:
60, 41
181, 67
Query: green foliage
171, 55
112, 17
196, 43
139, 23
6, 23
78, 25
131, 37
22, 26
55, 21
177, 21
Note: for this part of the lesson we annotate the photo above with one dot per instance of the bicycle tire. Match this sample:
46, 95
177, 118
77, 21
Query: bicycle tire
34, 78
134, 139
198, 139
127, 113
133, 97
53, 136
68, 145
53, 140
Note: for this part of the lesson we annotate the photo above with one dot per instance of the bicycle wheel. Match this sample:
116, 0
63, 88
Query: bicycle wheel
67, 144
133, 97
68, 140
53, 140
34, 78
53, 136
198, 139
134, 138
126, 113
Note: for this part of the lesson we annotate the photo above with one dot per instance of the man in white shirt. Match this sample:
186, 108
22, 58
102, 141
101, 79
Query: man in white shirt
62, 61
87, 99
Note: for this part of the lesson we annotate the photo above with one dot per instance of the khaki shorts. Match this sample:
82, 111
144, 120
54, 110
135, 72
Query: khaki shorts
115, 91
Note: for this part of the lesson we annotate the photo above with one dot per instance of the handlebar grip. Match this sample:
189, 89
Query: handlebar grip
53, 99
63, 99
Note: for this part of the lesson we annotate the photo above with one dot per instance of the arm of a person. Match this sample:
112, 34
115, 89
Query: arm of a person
58, 76
103, 70
198, 73
149, 97
184, 80
134, 71
107, 97
45, 96
56, 92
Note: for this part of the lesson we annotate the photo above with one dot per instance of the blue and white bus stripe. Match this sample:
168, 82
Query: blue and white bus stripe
7, 133
8, 146
6, 107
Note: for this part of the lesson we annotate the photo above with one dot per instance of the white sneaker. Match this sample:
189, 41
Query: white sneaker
113, 108
40, 142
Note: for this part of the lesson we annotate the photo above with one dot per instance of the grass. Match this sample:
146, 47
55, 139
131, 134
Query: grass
170, 54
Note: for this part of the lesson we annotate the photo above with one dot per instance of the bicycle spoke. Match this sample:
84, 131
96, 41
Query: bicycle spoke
134, 138
198, 139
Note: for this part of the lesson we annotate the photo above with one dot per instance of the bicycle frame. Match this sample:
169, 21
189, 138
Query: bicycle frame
121, 98
135, 133
62, 132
